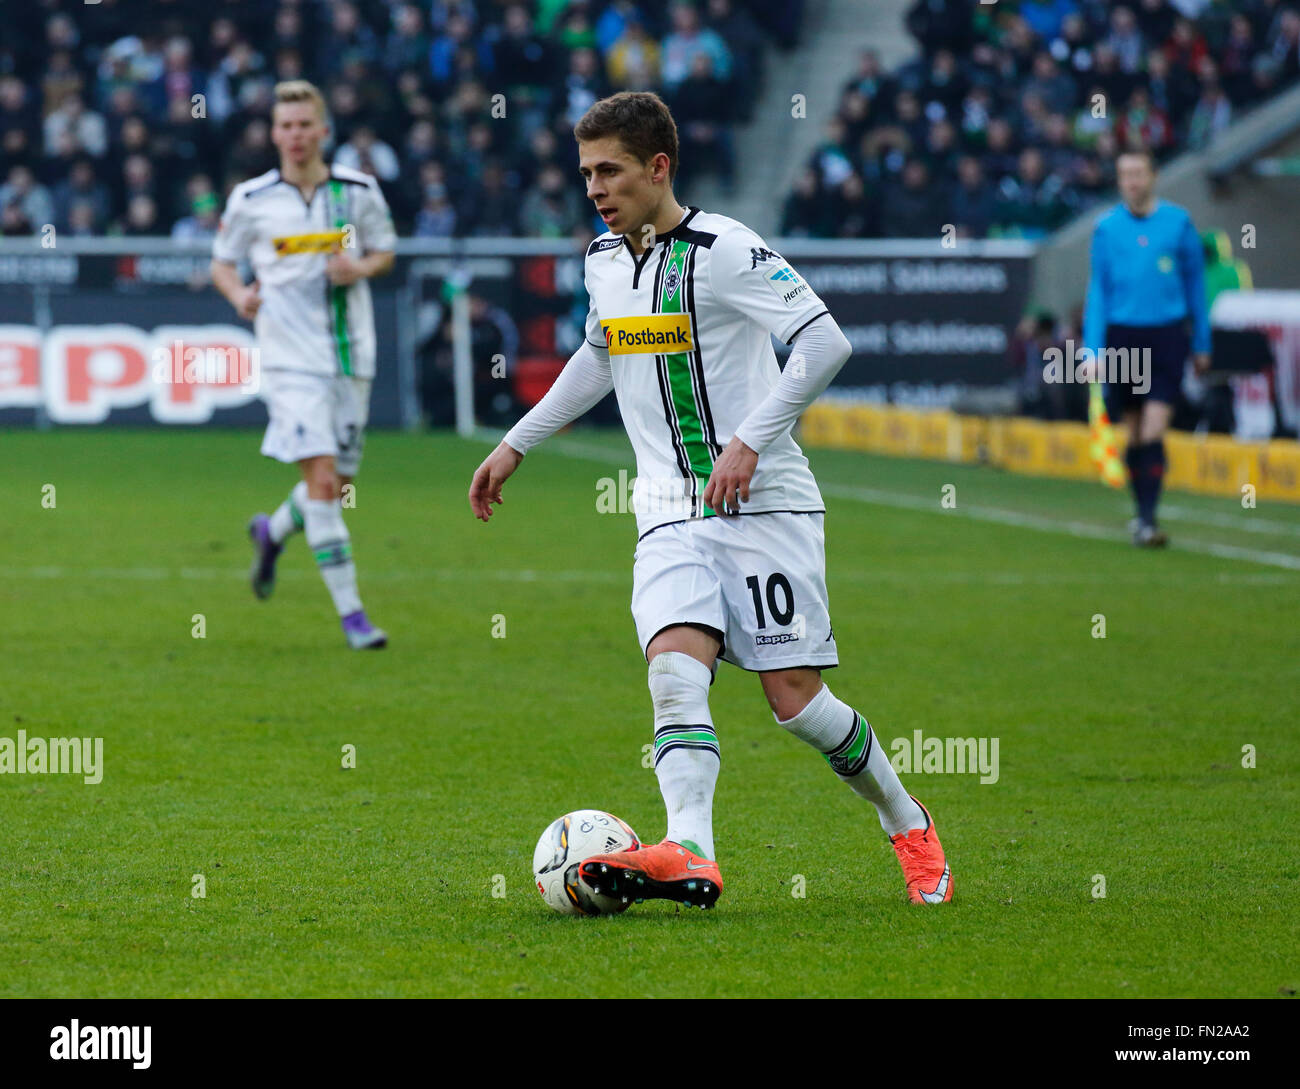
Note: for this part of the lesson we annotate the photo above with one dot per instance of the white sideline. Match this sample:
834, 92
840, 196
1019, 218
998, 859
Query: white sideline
905, 501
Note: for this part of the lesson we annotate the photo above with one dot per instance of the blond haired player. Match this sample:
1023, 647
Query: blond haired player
315, 235
730, 562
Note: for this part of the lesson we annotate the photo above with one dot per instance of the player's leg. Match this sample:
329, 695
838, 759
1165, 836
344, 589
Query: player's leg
686, 757
780, 627
677, 606
331, 545
805, 706
291, 399
1149, 469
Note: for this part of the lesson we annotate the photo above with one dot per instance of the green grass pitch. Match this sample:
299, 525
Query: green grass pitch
1120, 757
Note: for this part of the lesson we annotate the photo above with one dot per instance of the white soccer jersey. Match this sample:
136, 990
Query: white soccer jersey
306, 323
686, 327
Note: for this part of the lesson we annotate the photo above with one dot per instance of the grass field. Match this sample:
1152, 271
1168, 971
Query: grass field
1119, 756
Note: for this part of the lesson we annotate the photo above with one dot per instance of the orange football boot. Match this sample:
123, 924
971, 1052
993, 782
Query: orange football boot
926, 870
666, 871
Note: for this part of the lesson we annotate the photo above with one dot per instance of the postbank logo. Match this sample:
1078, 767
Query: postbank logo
650, 334
322, 242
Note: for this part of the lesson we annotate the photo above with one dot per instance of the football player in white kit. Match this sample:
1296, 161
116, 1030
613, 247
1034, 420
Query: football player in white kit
314, 235
730, 558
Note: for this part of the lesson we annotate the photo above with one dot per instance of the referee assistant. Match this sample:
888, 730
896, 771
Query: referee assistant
1148, 278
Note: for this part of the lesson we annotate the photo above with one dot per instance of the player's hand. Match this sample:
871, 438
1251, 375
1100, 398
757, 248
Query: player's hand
1201, 361
485, 488
250, 301
342, 270
728, 485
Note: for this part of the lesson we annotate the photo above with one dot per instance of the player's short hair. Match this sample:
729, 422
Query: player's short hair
640, 119
299, 90
1139, 152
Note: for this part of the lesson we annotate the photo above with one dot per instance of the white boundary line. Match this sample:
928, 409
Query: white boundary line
901, 500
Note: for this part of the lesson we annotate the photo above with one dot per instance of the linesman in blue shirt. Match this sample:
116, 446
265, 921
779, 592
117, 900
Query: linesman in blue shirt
1148, 279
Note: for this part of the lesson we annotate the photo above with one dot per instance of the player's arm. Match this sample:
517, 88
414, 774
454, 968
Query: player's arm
234, 236
376, 242
760, 284
585, 380
1192, 259
1094, 306
820, 349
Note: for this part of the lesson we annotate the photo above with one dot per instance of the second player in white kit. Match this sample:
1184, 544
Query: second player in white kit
313, 235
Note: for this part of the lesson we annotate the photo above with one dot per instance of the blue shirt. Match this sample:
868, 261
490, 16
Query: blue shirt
1146, 270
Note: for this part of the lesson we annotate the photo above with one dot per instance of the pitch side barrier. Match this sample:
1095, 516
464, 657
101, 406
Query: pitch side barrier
130, 330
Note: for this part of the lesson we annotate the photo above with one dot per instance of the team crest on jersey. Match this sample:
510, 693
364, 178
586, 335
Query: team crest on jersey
787, 283
672, 280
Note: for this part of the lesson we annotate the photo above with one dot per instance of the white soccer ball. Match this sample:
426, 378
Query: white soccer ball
564, 845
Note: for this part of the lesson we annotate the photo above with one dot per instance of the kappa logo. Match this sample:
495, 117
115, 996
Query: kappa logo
760, 255
606, 244
672, 280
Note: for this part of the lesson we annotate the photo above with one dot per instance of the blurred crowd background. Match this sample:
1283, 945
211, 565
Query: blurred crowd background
994, 126
101, 131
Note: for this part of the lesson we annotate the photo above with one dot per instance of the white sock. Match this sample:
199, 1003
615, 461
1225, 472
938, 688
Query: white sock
686, 748
327, 537
850, 746
287, 519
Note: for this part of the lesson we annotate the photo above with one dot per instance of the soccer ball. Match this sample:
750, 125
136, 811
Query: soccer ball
562, 848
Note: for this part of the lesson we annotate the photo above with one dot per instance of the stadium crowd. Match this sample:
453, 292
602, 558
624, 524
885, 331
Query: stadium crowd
114, 123
1009, 120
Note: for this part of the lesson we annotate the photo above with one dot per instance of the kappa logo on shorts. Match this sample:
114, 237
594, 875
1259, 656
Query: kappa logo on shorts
772, 640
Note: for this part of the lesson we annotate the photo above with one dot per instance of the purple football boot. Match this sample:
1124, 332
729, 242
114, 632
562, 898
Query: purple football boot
265, 553
361, 634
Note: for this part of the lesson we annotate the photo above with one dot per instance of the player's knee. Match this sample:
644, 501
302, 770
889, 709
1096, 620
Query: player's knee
679, 688
789, 694
323, 483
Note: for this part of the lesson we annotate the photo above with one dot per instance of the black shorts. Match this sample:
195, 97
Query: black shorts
1168, 345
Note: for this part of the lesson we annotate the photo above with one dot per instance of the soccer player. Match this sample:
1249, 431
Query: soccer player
314, 234
1148, 277
730, 558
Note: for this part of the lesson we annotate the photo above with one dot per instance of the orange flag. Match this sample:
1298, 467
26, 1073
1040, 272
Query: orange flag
1102, 445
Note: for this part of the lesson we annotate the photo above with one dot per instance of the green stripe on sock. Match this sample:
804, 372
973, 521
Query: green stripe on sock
852, 755
334, 554
685, 735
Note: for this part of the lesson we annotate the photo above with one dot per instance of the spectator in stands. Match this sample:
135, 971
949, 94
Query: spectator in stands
972, 199
81, 187
552, 209
365, 151
86, 128
30, 197
806, 212
1045, 17
1126, 40
1031, 203
1055, 86
915, 209
1212, 115
744, 41
688, 39
633, 61
201, 224
701, 107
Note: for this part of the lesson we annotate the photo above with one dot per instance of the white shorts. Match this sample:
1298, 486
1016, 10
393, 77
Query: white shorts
312, 415
760, 579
